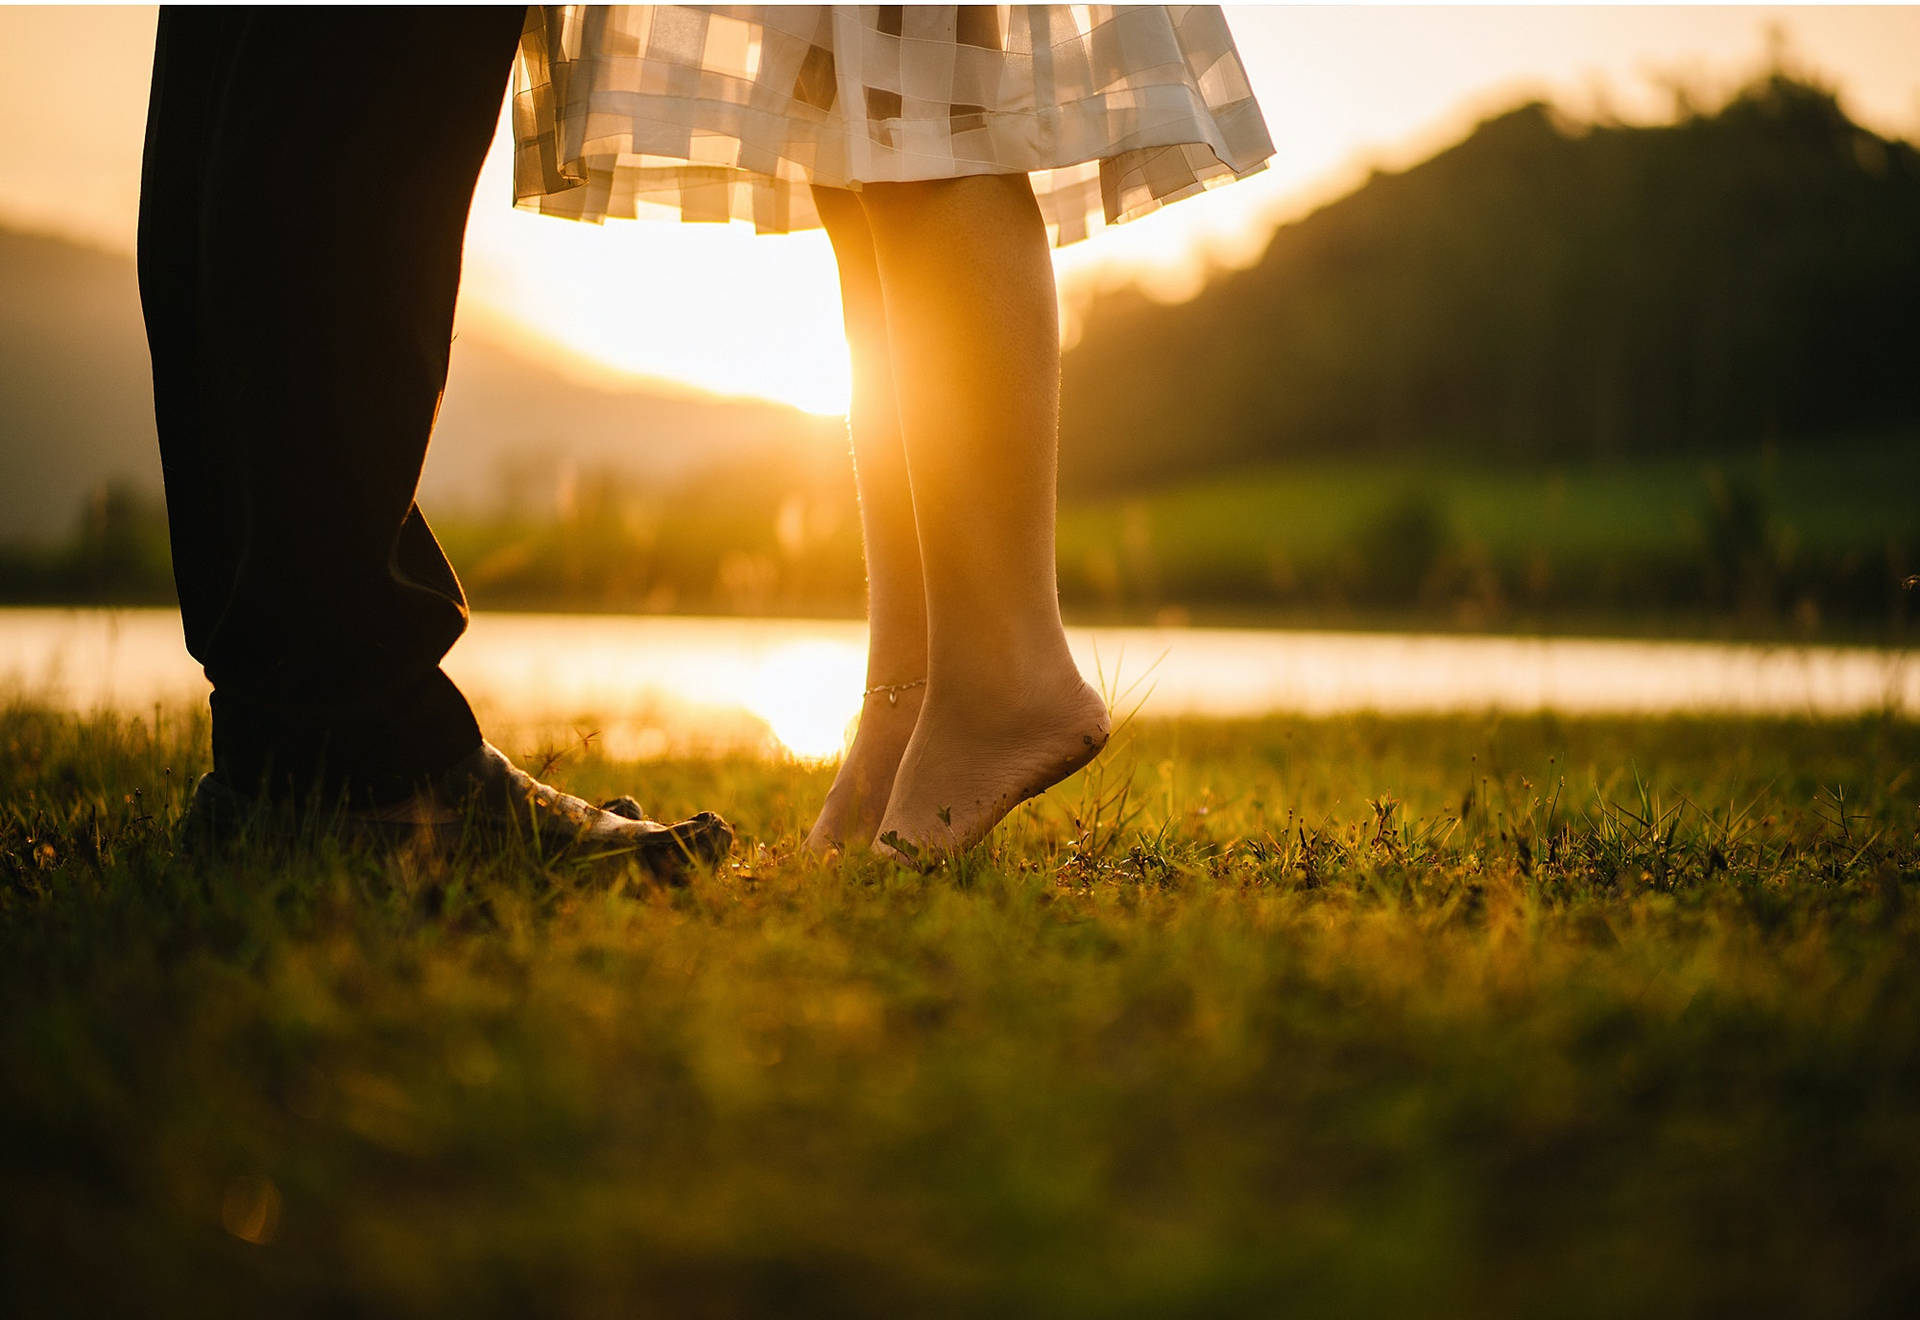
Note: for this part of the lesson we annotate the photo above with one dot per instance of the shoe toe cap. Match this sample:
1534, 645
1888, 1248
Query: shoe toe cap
698, 839
707, 834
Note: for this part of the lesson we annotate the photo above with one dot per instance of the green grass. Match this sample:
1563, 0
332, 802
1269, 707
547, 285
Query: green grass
1446, 1016
1812, 544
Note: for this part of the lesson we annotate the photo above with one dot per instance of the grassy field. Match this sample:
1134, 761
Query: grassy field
1801, 543
1462, 1016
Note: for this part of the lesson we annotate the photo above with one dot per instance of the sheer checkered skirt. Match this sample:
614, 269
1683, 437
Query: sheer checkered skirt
731, 112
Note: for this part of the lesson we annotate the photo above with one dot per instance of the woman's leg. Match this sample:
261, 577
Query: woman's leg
975, 353
896, 600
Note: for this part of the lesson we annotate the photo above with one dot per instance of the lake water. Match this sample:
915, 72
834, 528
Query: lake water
650, 686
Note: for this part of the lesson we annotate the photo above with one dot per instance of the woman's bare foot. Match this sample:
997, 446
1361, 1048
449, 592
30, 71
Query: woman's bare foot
970, 762
850, 817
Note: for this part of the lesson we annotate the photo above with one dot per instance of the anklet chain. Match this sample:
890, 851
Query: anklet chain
893, 690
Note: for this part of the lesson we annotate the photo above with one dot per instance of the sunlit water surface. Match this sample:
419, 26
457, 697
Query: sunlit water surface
656, 686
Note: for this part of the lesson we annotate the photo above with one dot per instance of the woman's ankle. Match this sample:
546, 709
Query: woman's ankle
1006, 683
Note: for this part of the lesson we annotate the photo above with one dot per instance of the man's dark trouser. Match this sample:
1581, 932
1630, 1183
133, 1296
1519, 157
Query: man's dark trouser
304, 196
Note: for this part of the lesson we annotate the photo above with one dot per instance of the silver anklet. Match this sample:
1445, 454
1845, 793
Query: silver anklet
893, 690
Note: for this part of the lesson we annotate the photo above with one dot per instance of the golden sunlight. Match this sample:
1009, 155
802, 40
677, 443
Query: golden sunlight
808, 692
712, 306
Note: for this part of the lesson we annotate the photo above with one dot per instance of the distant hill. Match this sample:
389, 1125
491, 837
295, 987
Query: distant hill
75, 394
1542, 291
76, 410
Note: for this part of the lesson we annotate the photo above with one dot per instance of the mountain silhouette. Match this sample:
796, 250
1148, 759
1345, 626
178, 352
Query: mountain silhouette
76, 410
1541, 291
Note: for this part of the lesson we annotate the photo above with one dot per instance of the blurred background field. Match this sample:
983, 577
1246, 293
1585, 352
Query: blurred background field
1813, 543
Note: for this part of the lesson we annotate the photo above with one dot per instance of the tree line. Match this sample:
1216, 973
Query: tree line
1544, 291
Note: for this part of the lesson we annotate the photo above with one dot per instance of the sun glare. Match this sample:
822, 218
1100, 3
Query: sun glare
809, 695
716, 307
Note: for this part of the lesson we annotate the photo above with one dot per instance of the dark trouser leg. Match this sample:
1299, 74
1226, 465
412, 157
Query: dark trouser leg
193, 53
306, 189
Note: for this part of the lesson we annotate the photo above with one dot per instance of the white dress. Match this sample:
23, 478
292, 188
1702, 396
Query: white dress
732, 112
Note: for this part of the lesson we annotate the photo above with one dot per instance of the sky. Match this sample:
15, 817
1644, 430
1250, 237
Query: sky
1345, 89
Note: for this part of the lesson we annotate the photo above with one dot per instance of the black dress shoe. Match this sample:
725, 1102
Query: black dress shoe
483, 794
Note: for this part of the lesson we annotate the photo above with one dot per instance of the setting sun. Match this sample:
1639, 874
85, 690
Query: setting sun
712, 306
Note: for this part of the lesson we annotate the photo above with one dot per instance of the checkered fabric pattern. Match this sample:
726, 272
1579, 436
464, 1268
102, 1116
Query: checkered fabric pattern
731, 112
